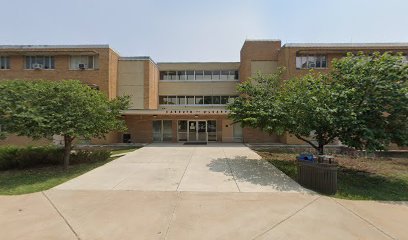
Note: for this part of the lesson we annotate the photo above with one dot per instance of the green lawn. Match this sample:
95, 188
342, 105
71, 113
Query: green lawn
14, 182
120, 151
358, 178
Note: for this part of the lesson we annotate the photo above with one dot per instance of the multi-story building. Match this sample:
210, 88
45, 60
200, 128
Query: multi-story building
174, 101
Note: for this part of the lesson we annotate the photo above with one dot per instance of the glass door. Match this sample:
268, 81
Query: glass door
192, 131
202, 131
157, 131
212, 130
162, 131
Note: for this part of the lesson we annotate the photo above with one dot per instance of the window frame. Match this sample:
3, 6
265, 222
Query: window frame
6, 61
51, 62
299, 59
95, 62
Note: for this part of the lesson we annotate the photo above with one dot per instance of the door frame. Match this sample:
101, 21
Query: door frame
196, 130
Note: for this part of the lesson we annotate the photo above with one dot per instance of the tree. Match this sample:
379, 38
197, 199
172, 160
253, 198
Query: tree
42, 109
305, 107
377, 93
363, 102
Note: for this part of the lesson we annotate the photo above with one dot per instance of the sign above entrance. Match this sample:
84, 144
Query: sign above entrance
179, 112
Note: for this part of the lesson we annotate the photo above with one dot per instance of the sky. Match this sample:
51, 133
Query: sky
199, 30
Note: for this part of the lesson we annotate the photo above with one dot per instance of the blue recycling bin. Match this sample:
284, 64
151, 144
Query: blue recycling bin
305, 157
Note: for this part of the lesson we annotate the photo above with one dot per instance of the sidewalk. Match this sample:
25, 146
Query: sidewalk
67, 214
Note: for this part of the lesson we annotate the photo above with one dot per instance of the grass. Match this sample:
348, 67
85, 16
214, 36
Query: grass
15, 182
120, 151
383, 179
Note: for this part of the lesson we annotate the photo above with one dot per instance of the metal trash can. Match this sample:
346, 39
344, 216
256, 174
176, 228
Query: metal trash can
320, 175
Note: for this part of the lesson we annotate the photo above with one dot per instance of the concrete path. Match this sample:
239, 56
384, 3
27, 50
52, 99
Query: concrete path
178, 192
172, 215
176, 167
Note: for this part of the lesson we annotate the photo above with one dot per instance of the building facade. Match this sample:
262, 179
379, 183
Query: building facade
173, 101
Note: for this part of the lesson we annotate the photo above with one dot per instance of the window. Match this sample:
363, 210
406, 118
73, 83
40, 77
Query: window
190, 100
199, 75
224, 99
195, 100
4, 62
199, 100
233, 75
216, 100
181, 75
216, 75
224, 75
83, 62
39, 62
208, 100
207, 75
171, 100
162, 99
190, 75
181, 100
311, 61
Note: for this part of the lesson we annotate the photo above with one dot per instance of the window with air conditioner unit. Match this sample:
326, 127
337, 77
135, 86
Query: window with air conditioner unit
82, 62
39, 62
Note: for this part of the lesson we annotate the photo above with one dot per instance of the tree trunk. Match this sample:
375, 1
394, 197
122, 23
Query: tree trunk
320, 149
67, 150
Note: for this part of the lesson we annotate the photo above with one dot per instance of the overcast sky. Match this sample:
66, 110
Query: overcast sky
198, 30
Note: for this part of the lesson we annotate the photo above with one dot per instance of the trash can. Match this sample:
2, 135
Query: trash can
320, 175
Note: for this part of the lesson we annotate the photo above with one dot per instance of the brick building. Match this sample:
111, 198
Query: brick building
173, 101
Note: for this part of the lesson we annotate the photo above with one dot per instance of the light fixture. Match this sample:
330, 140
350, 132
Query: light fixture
196, 116
155, 116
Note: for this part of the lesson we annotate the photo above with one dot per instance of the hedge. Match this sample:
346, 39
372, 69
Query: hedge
19, 158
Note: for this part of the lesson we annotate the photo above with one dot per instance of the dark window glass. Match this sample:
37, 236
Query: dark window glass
162, 99
171, 75
224, 99
318, 62
207, 100
163, 75
207, 75
181, 75
171, 100
224, 75
190, 100
182, 126
199, 100
236, 75
324, 62
181, 100
199, 75
190, 75
4, 62
216, 99
216, 75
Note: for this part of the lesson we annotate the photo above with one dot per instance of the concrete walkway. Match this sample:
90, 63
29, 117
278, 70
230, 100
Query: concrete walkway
193, 192
75, 214
176, 167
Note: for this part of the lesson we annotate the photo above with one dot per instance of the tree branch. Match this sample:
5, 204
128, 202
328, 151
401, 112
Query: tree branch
307, 141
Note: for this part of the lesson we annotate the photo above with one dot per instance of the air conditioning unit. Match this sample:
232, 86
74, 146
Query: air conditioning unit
37, 66
82, 66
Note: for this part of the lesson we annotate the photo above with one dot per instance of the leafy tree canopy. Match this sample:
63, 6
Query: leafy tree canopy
363, 102
69, 108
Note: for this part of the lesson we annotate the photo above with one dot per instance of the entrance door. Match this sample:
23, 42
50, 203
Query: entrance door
197, 131
192, 131
202, 131
162, 131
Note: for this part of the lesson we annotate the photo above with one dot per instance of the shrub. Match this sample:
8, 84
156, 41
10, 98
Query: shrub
83, 156
17, 157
